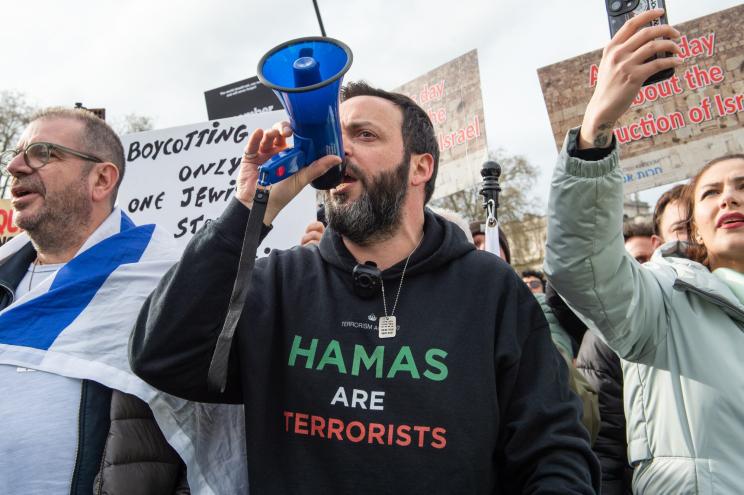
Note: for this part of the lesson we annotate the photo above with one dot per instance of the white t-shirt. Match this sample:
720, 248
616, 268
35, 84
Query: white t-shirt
38, 421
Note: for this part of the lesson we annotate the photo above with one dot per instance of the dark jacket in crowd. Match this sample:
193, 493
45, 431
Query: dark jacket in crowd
121, 450
136, 459
601, 367
568, 320
470, 396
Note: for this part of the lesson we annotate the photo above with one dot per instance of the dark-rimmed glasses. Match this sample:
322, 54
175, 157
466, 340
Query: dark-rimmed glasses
36, 155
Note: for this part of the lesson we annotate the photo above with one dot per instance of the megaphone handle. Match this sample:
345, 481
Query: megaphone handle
287, 162
217, 374
281, 166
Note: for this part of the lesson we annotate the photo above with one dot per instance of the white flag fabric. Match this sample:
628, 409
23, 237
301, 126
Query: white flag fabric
492, 239
77, 323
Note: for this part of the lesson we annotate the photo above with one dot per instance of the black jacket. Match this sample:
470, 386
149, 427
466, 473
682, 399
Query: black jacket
469, 397
601, 368
136, 459
139, 462
568, 320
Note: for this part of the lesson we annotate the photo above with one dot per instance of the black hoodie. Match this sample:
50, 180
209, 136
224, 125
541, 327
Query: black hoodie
470, 396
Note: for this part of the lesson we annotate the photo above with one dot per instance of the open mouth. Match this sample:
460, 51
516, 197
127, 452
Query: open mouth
348, 178
20, 192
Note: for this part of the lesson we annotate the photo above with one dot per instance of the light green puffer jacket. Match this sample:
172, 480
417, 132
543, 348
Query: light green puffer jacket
678, 327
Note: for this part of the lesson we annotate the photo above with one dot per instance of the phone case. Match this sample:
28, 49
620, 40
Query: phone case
621, 11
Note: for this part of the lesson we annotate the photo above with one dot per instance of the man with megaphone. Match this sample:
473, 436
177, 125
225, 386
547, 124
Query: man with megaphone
391, 358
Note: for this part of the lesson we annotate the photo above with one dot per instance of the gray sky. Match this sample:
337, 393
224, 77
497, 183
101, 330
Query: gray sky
157, 58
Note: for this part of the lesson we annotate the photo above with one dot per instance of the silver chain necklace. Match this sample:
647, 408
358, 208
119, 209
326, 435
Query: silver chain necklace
33, 270
388, 327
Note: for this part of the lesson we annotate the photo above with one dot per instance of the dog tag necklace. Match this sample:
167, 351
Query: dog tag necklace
387, 327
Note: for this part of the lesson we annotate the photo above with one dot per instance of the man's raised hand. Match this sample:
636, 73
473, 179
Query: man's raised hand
261, 146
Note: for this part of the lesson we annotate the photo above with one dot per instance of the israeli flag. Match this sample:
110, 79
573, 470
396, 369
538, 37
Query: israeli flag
77, 323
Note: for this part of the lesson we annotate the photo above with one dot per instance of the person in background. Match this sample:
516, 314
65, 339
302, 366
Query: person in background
669, 218
638, 240
676, 322
313, 233
478, 231
535, 280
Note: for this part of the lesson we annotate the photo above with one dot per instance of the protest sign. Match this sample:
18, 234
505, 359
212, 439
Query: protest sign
8, 230
451, 95
184, 176
674, 126
241, 97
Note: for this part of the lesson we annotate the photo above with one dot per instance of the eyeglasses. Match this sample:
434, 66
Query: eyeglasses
534, 284
36, 155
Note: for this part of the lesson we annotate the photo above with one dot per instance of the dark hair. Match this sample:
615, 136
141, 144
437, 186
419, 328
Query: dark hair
537, 274
476, 227
670, 196
417, 129
637, 229
98, 138
534, 273
696, 251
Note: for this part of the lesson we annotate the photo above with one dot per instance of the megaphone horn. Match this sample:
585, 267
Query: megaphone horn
306, 75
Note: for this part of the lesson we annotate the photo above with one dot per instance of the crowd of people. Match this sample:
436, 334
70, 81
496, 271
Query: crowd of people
616, 371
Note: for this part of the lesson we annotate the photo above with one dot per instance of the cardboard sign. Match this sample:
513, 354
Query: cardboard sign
184, 176
8, 229
674, 126
451, 95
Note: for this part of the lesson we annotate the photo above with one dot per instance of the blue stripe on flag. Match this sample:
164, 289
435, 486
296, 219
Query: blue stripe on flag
126, 222
38, 322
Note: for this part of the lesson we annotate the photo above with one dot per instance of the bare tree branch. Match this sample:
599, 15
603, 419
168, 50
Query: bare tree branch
518, 178
519, 210
15, 114
132, 123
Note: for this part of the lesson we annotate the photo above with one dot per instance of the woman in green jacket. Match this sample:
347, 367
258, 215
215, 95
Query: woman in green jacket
677, 323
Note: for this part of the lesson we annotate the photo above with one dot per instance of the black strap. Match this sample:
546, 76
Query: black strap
217, 375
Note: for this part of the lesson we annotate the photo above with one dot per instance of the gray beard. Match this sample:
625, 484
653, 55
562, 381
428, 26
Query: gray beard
376, 215
61, 222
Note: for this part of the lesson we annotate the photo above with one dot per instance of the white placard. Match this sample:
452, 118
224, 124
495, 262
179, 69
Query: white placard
182, 176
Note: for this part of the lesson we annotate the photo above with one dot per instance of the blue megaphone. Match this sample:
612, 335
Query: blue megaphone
306, 75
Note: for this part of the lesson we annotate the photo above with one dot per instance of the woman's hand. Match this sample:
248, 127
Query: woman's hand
624, 67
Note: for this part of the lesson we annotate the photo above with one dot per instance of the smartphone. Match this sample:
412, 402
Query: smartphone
621, 11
